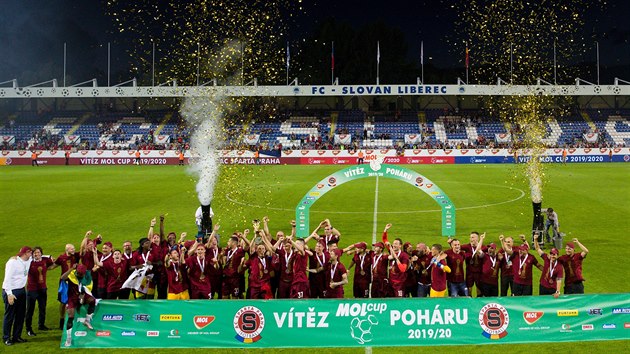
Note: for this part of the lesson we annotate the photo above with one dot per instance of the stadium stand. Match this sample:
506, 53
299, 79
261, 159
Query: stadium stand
350, 129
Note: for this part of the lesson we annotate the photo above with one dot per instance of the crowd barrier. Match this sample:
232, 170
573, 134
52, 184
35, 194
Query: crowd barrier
313, 323
321, 157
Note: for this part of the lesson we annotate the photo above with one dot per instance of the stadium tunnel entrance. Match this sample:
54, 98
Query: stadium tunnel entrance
374, 169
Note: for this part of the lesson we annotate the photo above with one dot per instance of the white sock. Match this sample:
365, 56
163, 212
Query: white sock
89, 317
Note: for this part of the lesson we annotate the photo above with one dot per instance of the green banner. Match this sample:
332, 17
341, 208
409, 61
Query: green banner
375, 169
353, 322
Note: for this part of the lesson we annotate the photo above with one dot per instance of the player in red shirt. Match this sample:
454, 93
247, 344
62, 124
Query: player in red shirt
159, 249
37, 290
200, 269
66, 261
176, 274
379, 271
491, 264
143, 257
284, 250
362, 272
422, 264
456, 258
330, 233
300, 288
439, 270
473, 264
103, 257
398, 265
522, 264
336, 276
116, 270
213, 252
259, 265
317, 265
507, 275
231, 259
572, 263
552, 273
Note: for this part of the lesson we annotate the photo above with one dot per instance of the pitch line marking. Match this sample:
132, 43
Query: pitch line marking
522, 194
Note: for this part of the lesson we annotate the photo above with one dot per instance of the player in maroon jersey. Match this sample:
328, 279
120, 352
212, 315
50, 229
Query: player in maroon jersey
79, 281
522, 264
116, 271
411, 283
231, 259
572, 263
422, 265
37, 290
330, 233
213, 252
284, 250
552, 273
300, 288
259, 266
101, 275
473, 264
398, 265
143, 257
336, 276
317, 265
175, 268
66, 261
456, 258
362, 263
379, 271
491, 264
507, 275
200, 269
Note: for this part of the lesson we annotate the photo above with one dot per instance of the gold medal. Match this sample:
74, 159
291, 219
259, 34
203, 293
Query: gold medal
266, 271
288, 271
362, 272
202, 277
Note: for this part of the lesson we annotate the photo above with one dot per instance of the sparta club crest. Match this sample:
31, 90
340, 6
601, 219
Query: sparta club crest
494, 320
249, 322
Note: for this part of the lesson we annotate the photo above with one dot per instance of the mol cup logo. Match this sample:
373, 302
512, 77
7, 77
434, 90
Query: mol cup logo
494, 320
248, 323
532, 317
202, 321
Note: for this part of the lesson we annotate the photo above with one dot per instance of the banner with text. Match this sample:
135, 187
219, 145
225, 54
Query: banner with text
353, 322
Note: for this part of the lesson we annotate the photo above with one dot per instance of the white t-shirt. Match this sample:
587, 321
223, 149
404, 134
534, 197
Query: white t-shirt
199, 214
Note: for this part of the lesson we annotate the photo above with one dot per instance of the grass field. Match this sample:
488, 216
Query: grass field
51, 206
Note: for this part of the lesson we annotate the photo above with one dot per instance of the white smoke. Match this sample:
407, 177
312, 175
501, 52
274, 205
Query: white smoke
204, 116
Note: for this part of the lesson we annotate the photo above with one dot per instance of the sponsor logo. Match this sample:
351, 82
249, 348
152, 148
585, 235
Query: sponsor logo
588, 327
202, 321
595, 312
128, 333
80, 333
153, 333
103, 333
621, 310
174, 333
609, 326
565, 328
170, 318
567, 313
494, 320
112, 317
141, 317
249, 323
532, 316
626, 325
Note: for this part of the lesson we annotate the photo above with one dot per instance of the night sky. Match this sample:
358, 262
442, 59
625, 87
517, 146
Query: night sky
32, 33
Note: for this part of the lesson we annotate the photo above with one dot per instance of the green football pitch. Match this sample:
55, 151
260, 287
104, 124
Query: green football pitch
50, 206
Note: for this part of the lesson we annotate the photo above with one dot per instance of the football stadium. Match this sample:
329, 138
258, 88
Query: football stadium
221, 211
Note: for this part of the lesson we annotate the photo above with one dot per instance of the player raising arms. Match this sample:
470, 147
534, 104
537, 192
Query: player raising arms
79, 289
231, 259
175, 268
300, 288
362, 272
552, 273
259, 265
572, 263
330, 233
398, 264
317, 266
